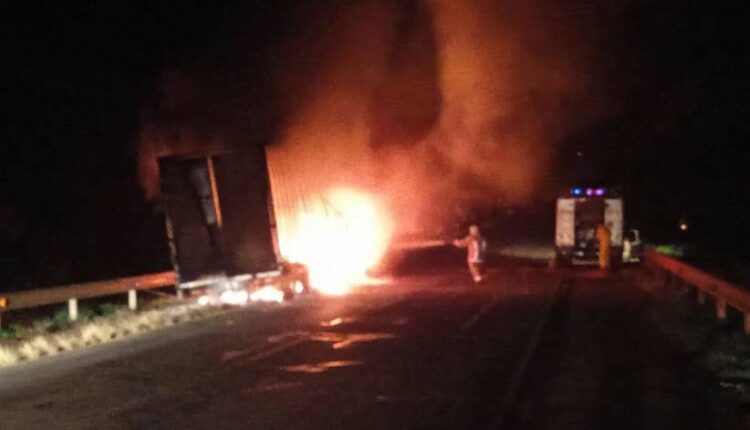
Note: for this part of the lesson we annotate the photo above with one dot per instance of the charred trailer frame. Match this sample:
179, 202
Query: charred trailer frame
220, 224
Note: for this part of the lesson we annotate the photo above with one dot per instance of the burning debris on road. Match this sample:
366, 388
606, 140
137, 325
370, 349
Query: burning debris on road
267, 294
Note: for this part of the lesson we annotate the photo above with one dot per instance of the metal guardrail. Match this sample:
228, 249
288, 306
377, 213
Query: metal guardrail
87, 290
724, 292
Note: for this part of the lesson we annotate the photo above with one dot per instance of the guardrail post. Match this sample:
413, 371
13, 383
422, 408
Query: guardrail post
701, 297
686, 287
721, 309
132, 300
73, 309
3, 305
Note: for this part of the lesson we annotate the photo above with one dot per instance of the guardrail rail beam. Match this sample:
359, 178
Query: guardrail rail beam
725, 293
72, 293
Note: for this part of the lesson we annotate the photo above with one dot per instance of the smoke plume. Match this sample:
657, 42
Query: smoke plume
429, 104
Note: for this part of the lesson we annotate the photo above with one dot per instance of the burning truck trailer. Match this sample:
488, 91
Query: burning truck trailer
221, 229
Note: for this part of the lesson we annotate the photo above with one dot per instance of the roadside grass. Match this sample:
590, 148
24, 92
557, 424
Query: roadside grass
95, 325
729, 358
58, 322
526, 251
719, 348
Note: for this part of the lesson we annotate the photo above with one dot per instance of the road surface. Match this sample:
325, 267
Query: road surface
523, 350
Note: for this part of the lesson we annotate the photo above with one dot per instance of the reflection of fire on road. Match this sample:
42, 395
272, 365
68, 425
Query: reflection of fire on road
321, 367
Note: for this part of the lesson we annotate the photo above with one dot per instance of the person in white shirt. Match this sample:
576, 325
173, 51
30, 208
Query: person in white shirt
475, 251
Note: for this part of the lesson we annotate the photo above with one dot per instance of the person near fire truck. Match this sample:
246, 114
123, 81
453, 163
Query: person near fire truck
476, 248
604, 237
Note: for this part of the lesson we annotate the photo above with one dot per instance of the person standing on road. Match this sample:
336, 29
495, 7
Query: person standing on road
475, 249
603, 236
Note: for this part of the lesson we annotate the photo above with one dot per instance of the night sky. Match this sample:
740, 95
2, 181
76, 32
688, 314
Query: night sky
79, 77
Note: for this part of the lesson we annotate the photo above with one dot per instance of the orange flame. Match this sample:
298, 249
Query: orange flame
338, 236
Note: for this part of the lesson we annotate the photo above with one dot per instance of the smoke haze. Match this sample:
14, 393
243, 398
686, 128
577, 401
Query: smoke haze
431, 105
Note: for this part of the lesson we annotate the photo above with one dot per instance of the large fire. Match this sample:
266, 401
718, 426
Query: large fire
338, 235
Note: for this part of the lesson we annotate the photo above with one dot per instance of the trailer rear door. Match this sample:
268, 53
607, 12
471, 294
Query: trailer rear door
218, 214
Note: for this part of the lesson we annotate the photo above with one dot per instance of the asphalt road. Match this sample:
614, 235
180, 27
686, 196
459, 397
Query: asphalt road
428, 351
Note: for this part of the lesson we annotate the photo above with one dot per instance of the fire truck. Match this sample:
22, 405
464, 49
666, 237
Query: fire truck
579, 211
220, 224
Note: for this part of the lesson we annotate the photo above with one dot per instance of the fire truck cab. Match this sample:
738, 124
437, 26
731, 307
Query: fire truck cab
579, 211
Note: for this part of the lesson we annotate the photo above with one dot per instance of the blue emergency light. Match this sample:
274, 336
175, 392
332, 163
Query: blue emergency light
578, 191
